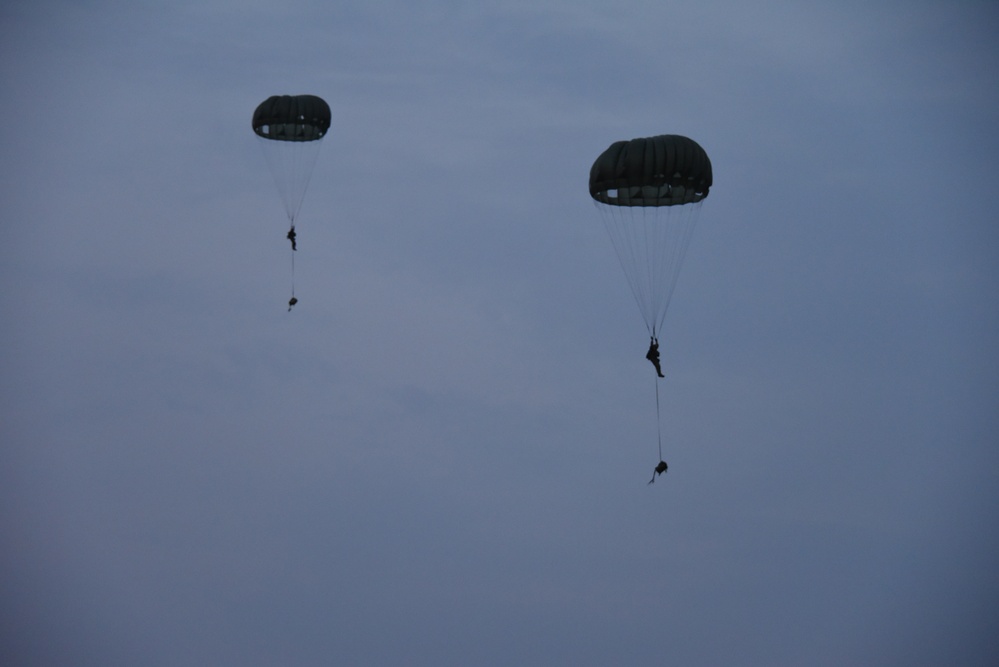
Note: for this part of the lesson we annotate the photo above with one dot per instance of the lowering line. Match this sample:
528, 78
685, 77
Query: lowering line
291, 236
659, 425
292, 301
653, 356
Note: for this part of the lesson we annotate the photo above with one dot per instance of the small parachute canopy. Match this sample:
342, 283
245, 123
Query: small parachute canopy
292, 118
665, 170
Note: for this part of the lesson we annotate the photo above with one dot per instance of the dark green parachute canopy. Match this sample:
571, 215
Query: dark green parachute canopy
656, 171
292, 118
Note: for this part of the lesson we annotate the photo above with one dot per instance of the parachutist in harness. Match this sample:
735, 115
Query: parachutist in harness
653, 355
660, 469
291, 237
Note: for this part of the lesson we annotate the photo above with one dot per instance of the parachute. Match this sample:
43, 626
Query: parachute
649, 193
291, 128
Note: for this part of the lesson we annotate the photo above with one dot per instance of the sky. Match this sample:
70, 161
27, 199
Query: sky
441, 455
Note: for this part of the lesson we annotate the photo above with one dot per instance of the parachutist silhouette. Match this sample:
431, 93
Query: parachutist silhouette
660, 469
653, 355
291, 128
291, 303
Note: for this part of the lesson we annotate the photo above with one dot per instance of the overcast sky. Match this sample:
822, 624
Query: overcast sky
440, 456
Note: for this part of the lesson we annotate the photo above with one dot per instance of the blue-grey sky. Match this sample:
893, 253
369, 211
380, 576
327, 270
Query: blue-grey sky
440, 456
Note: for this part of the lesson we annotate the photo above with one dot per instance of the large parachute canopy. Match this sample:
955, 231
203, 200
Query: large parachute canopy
649, 194
291, 128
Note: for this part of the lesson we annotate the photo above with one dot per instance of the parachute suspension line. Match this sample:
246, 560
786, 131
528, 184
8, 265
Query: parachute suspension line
674, 230
630, 244
650, 229
650, 244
